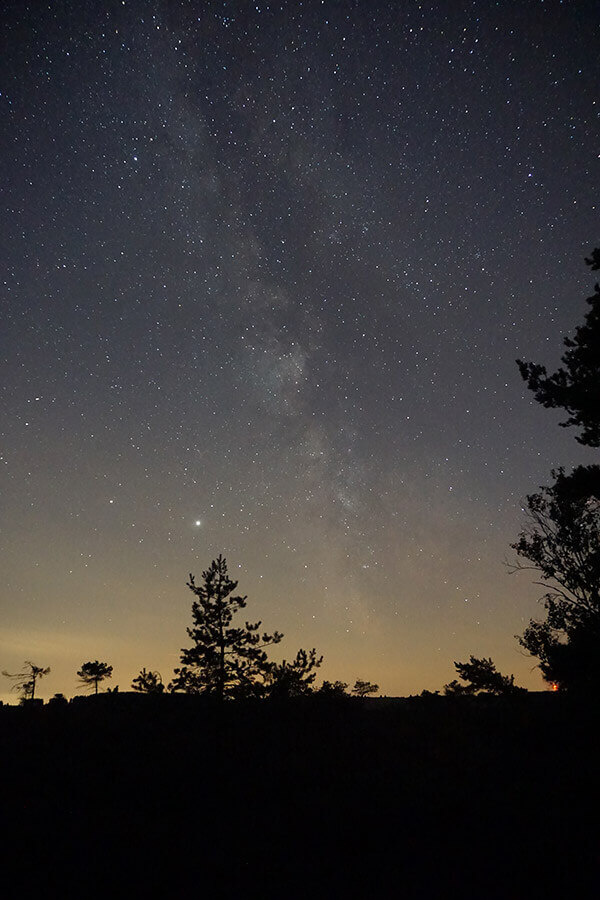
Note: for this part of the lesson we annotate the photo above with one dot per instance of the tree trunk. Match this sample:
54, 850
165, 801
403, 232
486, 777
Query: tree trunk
221, 645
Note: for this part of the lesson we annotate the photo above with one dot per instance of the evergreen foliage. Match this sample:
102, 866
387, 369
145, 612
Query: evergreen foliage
296, 678
562, 543
148, 683
481, 676
92, 673
576, 387
225, 661
364, 688
334, 689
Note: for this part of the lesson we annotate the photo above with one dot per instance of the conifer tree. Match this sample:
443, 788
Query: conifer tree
561, 542
481, 676
364, 688
295, 678
92, 673
576, 386
225, 661
148, 682
562, 539
333, 689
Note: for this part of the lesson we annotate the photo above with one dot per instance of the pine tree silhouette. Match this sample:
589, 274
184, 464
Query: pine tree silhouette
225, 660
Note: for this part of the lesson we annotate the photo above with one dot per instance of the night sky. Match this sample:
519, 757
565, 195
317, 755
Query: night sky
267, 268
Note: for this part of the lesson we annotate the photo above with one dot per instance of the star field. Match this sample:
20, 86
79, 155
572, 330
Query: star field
267, 269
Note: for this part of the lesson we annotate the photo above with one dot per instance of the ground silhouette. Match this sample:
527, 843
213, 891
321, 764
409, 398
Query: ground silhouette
168, 794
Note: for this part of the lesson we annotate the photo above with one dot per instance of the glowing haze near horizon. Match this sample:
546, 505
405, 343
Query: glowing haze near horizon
267, 269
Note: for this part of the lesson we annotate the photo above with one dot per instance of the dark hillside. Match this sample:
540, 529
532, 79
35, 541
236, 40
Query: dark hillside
385, 798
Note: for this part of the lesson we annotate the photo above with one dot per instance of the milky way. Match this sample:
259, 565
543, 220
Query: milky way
266, 272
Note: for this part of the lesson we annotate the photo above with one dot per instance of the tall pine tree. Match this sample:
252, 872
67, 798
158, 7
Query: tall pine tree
561, 541
225, 661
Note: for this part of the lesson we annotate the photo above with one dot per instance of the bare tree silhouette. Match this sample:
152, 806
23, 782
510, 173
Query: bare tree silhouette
26, 680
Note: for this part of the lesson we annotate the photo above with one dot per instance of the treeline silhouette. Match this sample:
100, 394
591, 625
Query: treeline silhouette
322, 795
226, 661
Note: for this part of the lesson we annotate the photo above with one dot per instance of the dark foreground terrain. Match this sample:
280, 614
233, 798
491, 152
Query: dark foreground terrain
126, 795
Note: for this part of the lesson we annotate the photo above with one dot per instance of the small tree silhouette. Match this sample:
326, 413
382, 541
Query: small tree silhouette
333, 689
293, 679
92, 673
364, 688
481, 676
148, 683
26, 680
